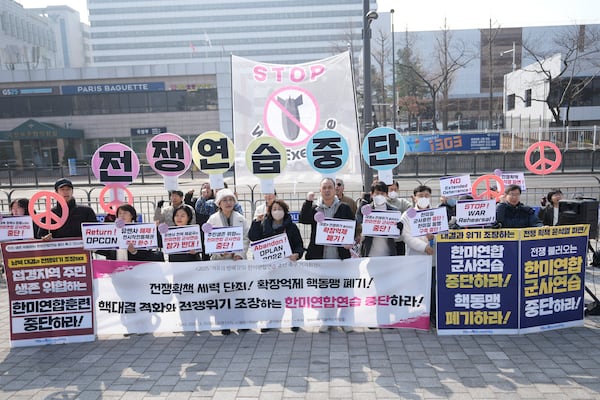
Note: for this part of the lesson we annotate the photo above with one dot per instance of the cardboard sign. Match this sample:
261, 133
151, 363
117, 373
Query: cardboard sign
100, 236
16, 228
475, 212
433, 220
455, 185
381, 223
182, 239
224, 239
335, 232
274, 248
141, 235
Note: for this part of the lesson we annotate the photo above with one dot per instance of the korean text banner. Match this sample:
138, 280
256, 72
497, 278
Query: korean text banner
511, 280
166, 297
50, 292
292, 103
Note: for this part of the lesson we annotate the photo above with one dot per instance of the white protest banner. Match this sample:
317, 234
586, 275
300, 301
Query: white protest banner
475, 212
292, 103
274, 248
16, 228
514, 178
99, 236
335, 232
141, 235
182, 239
224, 239
167, 297
455, 185
381, 223
433, 220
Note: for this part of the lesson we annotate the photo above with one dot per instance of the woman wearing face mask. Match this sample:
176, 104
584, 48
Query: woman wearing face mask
419, 245
277, 221
377, 246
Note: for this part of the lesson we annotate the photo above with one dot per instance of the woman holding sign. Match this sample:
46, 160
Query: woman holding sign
226, 216
182, 216
277, 221
127, 214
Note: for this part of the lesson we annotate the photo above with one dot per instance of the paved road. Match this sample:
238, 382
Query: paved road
365, 364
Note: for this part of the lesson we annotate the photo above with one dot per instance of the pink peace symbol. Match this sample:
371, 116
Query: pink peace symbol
488, 193
111, 206
544, 165
47, 219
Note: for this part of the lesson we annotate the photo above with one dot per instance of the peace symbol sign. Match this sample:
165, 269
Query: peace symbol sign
488, 193
47, 219
544, 165
111, 206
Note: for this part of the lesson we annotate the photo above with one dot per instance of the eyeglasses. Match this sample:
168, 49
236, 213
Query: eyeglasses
339, 184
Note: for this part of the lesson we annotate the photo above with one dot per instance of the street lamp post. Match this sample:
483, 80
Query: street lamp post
368, 17
394, 105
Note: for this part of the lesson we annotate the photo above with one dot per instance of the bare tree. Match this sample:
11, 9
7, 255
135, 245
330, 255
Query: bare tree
449, 57
579, 49
411, 91
381, 54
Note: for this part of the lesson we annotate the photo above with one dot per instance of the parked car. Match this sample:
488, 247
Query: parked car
462, 124
423, 127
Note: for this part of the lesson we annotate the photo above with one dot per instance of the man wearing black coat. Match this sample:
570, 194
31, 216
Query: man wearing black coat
77, 214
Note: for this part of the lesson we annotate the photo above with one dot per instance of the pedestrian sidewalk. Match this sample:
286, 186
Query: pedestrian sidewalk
364, 364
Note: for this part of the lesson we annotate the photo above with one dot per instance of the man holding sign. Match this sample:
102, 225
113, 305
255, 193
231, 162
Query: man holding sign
330, 207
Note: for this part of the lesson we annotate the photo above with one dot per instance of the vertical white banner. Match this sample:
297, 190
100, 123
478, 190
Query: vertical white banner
292, 103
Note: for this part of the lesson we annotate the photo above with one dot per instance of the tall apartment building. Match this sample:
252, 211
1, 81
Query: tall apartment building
136, 32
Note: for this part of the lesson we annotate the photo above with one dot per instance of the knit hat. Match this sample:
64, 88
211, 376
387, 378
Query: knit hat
221, 194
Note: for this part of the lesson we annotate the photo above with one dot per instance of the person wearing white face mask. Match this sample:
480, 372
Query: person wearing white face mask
419, 245
377, 246
395, 200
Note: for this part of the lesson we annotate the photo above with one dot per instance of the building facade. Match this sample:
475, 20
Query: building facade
48, 116
134, 32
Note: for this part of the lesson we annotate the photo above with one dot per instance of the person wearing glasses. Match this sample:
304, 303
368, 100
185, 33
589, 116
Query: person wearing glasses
511, 213
339, 192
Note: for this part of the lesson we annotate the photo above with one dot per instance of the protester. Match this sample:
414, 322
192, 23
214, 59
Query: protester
401, 204
19, 207
277, 221
165, 215
550, 212
514, 214
339, 192
206, 206
128, 214
182, 216
377, 246
331, 207
261, 210
449, 203
419, 245
227, 216
77, 214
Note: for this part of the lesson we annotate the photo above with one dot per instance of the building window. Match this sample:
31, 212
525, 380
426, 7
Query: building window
510, 102
527, 98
